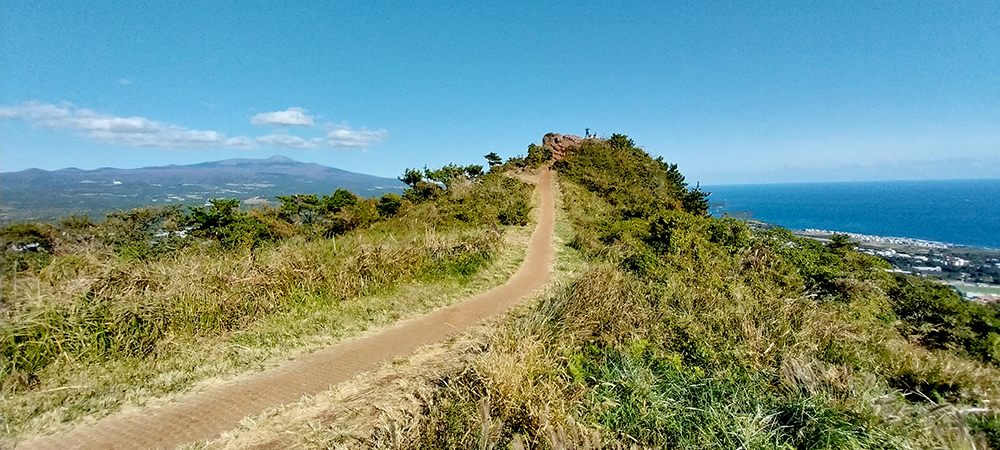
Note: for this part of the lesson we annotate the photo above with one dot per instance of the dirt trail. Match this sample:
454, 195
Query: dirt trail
208, 413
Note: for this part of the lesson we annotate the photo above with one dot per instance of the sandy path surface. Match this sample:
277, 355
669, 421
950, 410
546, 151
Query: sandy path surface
206, 414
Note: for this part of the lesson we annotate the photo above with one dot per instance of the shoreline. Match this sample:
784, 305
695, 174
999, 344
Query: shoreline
875, 239
862, 238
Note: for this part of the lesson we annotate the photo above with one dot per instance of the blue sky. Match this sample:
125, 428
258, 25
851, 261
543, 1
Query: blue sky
734, 92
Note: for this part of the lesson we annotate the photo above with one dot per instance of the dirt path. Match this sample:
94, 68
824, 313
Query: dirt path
208, 413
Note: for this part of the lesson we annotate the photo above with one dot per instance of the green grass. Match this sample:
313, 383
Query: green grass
687, 331
93, 330
971, 288
669, 329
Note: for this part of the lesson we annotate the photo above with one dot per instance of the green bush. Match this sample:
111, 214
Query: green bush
26, 246
941, 319
450, 173
389, 204
341, 198
423, 191
537, 155
28, 237
494, 199
630, 179
232, 228
146, 232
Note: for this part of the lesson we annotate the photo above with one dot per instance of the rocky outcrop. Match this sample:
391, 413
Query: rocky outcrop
560, 143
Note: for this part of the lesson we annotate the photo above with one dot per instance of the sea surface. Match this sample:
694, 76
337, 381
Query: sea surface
960, 212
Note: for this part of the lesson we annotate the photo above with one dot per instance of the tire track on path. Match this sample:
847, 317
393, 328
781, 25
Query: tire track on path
206, 414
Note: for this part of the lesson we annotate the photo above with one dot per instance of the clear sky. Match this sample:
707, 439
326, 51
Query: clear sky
734, 92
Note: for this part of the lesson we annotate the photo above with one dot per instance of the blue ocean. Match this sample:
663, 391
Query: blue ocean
961, 212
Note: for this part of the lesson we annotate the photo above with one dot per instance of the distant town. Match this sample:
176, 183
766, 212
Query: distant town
974, 272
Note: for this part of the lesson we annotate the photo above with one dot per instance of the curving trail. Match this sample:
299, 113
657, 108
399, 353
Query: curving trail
206, 414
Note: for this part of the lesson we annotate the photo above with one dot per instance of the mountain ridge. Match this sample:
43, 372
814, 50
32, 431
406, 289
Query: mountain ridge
276, 159
43, 195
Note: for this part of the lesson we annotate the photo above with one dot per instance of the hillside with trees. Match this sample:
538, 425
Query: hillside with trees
688, 331
97, 315
666, 328
680, 330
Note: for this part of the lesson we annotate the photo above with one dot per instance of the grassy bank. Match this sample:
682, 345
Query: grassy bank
686, 331
381, 407
92, 325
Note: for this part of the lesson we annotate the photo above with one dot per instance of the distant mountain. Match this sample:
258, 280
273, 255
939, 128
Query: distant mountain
41, 195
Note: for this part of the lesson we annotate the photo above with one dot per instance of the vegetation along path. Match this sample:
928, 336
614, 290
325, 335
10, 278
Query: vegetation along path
208, 413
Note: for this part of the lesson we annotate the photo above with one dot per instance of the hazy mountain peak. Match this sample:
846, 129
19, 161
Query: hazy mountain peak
36, 194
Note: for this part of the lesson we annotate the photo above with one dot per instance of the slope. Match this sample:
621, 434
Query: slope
685, 331
205, 414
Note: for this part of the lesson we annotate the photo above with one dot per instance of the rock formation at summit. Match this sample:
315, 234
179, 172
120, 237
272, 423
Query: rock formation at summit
559, 143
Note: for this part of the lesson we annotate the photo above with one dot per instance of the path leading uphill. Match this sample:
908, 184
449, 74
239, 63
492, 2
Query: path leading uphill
208, 413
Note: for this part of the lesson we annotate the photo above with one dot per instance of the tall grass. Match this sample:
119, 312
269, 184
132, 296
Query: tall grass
93, 320
126, 307
694, 332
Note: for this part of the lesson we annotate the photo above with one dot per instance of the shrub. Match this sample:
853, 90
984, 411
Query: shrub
537, 155
389, 204
494, 199
26, 246
940, 319
423, 191
340, 199
298, 209
232, 228
448, 174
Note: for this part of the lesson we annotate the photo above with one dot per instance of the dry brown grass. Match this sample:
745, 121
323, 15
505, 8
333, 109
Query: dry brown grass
294, 297
387, 408
721, 350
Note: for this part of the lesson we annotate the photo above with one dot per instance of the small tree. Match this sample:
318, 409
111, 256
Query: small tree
223, 221
445, 175
389, 204
620, 142
134, 233
220, 213
448, 174
411, 177
473, 171
695, 201
840, 243
298, 208
538, 155
340, 199
494, 159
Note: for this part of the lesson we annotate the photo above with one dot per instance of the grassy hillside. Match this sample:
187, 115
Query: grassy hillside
148, 302
675, 329
687, 331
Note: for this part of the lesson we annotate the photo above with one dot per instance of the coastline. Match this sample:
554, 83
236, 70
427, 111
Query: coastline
951, 212
873, 239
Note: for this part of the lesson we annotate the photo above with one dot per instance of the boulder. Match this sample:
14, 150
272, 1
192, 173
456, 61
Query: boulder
560, 143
